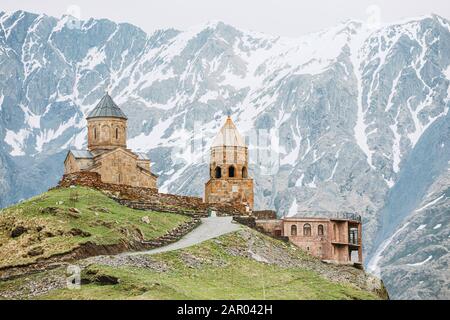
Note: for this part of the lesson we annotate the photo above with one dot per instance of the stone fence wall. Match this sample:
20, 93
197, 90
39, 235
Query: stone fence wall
265, 214
252, 222
150, 199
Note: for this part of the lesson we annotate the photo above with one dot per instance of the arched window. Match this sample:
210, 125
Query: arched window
95, 133
320, 230
231, 172
307, 230
117, 133
244, 173
293, 230
218, 173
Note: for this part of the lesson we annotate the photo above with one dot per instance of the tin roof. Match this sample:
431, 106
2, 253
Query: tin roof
82, 154
142, 156
107, 108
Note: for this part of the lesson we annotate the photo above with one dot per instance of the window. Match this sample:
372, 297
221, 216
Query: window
320, 230
293, 230
231, 172
244, 173
218, 173
307, 230
95, 133
117, 133
353, 236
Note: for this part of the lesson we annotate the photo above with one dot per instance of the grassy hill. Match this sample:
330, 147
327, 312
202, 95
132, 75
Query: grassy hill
241, 265
62, 220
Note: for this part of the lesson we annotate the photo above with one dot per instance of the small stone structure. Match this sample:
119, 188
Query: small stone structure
335, 239
229, 181
107, 152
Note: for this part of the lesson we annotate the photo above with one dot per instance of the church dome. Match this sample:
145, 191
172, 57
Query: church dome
107, 108
228, 136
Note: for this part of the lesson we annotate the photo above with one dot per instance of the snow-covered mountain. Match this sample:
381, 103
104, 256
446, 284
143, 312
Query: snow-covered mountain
347, 119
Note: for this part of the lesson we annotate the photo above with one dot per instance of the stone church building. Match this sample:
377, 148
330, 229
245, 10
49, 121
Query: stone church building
107, 152
229, 181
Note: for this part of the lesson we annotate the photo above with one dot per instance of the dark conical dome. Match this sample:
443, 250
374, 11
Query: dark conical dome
107, 108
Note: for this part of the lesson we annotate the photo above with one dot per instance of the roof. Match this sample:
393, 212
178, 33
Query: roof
228, 136
82, 154
107, 108
142, 156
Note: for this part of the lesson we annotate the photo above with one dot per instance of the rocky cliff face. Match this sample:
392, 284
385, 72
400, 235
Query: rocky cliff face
347, 119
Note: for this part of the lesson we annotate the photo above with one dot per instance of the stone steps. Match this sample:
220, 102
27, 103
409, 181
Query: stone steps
174, 235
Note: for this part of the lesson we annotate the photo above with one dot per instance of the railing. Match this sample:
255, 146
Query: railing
330, 215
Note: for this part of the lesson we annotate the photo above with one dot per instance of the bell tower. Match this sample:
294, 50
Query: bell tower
107, 126
229, 181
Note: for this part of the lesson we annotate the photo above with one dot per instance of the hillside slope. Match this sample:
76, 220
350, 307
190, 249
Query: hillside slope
241, 265
76, 222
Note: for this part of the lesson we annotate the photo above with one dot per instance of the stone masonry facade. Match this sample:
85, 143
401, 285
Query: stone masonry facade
229, 181
107, 152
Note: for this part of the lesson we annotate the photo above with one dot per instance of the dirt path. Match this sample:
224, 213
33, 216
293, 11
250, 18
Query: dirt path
210, 228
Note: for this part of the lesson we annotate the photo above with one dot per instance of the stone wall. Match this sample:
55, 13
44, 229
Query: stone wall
72, 165
150, 199
120, 166
267, 227
231, 190
265, 214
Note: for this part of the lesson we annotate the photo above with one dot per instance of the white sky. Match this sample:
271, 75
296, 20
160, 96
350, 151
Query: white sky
277, 17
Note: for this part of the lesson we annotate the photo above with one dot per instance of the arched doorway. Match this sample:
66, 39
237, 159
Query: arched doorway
231, 172
218, 173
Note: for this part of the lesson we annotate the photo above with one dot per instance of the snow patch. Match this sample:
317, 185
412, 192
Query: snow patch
437, 226
421, 227
293, 209
447, 73
210, 95
299, 181
16, 140
93, 58
49, 135
374, 263
360, 126
430, 204
420, 263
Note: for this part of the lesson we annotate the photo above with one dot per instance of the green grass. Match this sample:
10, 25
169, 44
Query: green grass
105, 220
217, 275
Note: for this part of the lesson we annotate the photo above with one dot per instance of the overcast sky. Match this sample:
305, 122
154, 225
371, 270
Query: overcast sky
277, 17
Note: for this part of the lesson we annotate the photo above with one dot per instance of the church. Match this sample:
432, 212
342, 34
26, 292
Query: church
107, 152
229, 181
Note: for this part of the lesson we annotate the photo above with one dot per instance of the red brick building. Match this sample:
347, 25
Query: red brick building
336, 239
